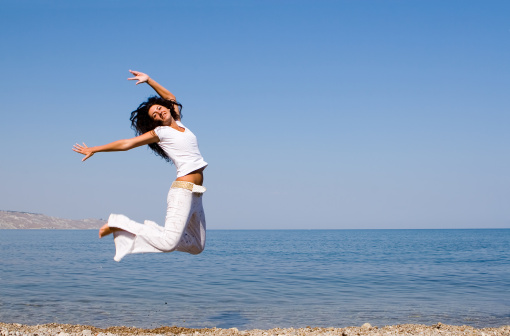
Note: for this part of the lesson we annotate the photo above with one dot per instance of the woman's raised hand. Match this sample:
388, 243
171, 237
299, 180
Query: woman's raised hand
139, 76
83, 150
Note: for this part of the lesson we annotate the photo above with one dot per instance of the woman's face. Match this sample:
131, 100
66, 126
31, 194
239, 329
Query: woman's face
160, 113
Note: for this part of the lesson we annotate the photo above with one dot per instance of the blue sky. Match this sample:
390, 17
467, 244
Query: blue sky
311, 114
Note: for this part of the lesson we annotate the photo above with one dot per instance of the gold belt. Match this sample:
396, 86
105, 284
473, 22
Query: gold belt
189, 186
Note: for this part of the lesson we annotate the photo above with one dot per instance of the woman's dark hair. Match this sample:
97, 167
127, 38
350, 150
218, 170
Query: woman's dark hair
142, 123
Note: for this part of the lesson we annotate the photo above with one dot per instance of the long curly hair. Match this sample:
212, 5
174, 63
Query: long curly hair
142, 123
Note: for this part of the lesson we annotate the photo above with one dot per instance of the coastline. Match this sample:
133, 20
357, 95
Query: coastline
7, 329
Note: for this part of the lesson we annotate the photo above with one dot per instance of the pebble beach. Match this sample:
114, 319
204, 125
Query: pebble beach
16, 329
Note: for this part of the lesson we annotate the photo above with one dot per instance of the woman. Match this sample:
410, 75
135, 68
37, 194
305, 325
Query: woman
157, 123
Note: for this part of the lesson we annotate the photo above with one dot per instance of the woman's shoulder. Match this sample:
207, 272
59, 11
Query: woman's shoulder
161, 128
169, 131
161, 131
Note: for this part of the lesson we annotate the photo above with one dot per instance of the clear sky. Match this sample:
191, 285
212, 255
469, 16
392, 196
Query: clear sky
311, 114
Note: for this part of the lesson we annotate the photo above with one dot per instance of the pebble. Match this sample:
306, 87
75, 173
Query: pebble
366, 329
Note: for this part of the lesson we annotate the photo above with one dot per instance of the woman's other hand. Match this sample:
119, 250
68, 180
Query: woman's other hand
83, 150
139, 76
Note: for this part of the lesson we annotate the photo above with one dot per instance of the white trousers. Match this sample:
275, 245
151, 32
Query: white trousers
184, 228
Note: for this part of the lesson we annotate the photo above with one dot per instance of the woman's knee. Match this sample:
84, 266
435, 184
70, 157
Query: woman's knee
196, 250
170, 242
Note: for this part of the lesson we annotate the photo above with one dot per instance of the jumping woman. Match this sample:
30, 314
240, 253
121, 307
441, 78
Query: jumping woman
157, 123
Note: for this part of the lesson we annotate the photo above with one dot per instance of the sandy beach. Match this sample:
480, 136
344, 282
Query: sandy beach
16, 329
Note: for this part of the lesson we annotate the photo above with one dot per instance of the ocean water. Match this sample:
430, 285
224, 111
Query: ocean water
260, 279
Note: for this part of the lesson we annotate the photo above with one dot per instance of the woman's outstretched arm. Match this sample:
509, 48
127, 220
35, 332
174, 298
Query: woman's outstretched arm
117, 146
144, 78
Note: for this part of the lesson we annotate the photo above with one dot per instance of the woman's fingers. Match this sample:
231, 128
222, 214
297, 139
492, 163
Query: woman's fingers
138, 79
87, 156
82, 149
136, 73
78, 146
139, 76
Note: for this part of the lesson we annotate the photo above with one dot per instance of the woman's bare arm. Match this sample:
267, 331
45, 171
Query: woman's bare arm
144, 78
117, 146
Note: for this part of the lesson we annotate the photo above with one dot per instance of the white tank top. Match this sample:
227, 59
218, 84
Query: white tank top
181, 147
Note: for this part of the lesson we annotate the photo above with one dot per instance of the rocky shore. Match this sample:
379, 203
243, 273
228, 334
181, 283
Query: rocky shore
28, 220
16, 329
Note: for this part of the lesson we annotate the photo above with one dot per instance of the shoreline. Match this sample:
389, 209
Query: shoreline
17, 329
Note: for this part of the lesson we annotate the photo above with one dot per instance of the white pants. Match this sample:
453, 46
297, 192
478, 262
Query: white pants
184, 228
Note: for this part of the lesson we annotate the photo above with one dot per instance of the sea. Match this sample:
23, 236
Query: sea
260, 279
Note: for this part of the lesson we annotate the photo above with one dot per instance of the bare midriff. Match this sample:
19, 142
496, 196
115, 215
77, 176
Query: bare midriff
196, 177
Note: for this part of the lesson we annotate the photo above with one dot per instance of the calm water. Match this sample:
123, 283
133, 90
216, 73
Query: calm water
260, 279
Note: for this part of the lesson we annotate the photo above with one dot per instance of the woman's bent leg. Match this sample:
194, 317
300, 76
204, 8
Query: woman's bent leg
179, 202
193, 239
133, 237
127, 233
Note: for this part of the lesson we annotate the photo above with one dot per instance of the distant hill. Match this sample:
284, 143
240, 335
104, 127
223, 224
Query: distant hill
27, 220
